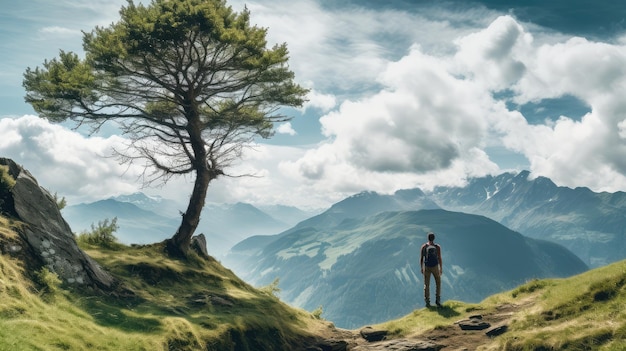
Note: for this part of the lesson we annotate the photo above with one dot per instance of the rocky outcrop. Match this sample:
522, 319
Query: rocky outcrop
198, 244
45, 231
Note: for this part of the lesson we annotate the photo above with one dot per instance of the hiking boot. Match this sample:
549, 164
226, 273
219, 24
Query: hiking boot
427, 304
438, 304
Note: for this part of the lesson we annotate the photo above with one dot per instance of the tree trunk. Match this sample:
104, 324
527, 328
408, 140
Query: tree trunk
180, 243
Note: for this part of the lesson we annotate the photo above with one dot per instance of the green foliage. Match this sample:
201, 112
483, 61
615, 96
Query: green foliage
58, 87
572, 313
272, 288
101, 235
529, 287
317, 313
192, 75
158, 59
172, 307
48, 280
6, 184
6, 181
61, 203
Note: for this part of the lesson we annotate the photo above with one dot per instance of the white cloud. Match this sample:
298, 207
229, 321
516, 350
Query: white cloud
272, 181
423, 122
402, 107
491, 56
62, 31
82, 169
345, 49
321, 101
286, 128
589, 152
65, 162
436, 113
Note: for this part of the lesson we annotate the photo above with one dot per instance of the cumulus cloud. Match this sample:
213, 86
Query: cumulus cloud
492, 56
425, 121
436, 114
321, 101
344, 49
286, 128
63, 161
590, 152
400, 107
83, 169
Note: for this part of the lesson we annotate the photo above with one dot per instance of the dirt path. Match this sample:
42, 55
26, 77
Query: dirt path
454, 338
446, 338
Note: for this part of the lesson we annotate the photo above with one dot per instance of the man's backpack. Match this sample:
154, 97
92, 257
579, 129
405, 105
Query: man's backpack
430, 255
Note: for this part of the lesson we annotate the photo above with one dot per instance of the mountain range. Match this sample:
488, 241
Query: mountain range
146, 219
548, 217
553, 222
590, 224
366, 270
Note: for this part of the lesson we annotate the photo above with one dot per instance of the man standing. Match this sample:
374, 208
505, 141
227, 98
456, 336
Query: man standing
431, 263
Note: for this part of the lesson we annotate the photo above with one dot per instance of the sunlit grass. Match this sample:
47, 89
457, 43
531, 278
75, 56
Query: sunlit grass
31, 320
169, 304
584, 312
425, 319
164, 304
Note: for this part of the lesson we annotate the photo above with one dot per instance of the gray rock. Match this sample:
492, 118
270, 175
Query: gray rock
48, 234
333, 345
493, 332
370, 334
198, 243
474, 324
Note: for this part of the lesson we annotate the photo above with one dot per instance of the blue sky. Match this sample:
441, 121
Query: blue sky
403, 94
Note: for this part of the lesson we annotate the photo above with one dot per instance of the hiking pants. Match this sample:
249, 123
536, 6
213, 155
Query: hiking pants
435, 272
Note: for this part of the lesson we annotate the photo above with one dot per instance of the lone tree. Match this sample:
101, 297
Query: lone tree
189, 82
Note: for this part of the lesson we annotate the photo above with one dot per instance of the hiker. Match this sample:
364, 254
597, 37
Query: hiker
430, 263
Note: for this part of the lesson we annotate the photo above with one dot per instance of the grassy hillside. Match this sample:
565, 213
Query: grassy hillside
175, 306
584, 312
203, 306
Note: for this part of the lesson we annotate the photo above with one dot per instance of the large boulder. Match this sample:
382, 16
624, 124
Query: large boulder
46, 232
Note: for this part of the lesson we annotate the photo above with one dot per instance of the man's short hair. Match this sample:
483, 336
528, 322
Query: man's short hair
431, 236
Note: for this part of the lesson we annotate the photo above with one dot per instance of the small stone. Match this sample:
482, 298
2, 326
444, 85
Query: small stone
474, 324
370, 334
497, 331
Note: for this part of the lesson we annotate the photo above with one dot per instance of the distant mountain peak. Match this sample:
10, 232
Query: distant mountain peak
138, 197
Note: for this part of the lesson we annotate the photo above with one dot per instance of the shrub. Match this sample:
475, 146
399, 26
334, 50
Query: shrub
61, 203
6, 181
101, 235
529, 287
317, 313
6, 184
271, 289
48, 280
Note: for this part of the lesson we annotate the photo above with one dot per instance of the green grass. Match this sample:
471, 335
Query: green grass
584, 312
169, 308
425, 319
